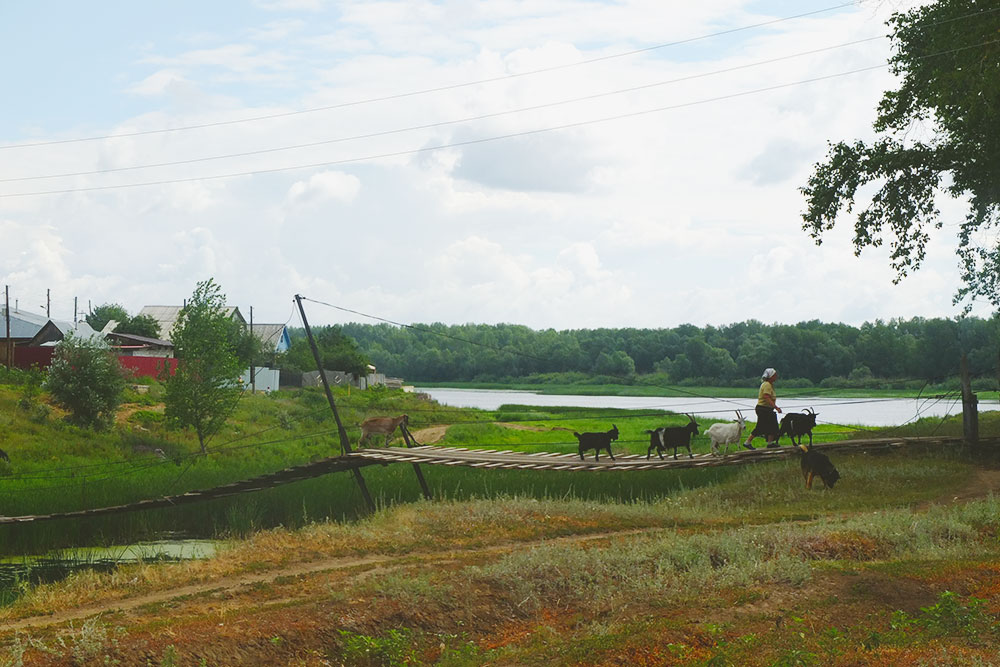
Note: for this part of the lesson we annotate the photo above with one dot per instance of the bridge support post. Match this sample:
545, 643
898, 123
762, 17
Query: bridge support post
970, 406
345, 444
410, 441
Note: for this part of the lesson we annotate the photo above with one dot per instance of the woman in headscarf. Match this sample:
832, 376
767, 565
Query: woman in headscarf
767, 406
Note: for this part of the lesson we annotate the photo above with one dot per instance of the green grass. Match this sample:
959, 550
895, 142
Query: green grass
57, 468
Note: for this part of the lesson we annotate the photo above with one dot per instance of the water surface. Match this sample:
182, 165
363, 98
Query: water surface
853, 411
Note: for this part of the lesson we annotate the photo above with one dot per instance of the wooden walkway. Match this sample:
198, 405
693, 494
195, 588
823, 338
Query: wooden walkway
489, 459
511, 460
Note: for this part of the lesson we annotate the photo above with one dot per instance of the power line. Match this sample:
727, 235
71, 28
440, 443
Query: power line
426, 149
471, 142
426, 91
443, 123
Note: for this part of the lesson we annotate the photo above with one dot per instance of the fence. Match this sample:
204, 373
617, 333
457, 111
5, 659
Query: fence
26, 357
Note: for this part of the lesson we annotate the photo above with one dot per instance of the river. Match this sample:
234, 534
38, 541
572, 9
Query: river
853, 411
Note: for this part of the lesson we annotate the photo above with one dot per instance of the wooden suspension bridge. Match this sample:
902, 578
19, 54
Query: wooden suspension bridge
488, 459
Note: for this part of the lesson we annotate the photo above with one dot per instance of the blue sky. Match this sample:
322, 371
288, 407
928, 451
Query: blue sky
688, 214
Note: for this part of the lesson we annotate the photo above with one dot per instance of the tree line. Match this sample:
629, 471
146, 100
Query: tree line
808, 353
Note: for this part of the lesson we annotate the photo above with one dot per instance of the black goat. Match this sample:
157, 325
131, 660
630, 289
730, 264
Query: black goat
797, 424
3, 455
597, 442
666, 437
655, 441
814, 463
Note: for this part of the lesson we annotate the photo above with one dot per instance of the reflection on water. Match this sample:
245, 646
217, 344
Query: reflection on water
17, 573
853, 411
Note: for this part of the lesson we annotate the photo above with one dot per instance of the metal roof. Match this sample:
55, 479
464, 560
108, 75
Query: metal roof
54, 331
144, 340
166, 317
272, 335
26, 325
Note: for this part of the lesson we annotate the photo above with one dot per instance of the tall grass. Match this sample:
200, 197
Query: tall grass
674, 565
57, 468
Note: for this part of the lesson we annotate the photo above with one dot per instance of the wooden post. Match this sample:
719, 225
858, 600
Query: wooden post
970, 412
253, 373
8, 348
416, 467
345, 444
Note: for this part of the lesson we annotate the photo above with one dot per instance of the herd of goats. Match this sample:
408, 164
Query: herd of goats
793, 424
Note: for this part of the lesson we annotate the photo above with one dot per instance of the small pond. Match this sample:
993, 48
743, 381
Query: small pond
17, 571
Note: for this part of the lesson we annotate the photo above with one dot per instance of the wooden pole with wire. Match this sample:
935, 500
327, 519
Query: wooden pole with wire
970, 411
8, 347
412, 442
345, 445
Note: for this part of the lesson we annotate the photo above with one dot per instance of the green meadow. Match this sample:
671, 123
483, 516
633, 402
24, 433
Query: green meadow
55, 467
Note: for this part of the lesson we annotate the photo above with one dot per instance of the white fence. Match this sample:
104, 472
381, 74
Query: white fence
265, 379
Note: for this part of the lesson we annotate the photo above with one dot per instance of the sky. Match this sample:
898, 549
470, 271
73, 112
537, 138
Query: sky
554, 163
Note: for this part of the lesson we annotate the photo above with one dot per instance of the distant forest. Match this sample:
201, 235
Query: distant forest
897, 353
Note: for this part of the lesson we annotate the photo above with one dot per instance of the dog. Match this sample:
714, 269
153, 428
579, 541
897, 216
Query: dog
813, 464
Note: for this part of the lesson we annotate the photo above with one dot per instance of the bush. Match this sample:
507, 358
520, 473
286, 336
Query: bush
86, 379
797, 383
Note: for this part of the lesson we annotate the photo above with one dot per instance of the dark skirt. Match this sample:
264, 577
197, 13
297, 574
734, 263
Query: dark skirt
767, 422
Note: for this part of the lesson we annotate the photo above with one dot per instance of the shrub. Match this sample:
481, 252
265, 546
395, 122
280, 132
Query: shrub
86, 379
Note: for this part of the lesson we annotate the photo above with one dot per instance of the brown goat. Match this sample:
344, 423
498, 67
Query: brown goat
382, 426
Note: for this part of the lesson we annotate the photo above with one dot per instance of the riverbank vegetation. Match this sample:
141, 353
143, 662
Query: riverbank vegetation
506, 567
56, 466
898, 564
898, 354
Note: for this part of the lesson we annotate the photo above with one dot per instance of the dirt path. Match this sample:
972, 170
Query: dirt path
247, 581
984, 481
434, 434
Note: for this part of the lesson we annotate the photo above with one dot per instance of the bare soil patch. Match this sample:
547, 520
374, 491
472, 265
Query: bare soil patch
429, 435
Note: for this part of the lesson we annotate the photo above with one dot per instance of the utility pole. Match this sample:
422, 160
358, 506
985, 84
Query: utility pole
74, 311
253, 371
8, 348
345, 444
48, 303
970, 412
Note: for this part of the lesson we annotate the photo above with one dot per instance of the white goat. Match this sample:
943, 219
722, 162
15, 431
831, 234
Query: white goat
724, 434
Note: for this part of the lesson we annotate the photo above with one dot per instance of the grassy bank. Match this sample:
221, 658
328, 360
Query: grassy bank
56, 467
749, 568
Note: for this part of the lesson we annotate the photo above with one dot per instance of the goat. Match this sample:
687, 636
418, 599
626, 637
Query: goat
3, 455
655, 441
597, 442
673, 436
724, 434
797, 424
382, 426
814, 463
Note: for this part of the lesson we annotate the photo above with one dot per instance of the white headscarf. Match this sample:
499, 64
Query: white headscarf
768, 374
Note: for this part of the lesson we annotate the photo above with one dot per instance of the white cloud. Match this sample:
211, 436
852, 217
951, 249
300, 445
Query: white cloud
649, 220
158, 83
327, 185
